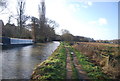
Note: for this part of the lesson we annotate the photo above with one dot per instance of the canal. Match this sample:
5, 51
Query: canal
19, 62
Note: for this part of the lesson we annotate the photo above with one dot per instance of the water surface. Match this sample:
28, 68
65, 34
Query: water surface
19, 62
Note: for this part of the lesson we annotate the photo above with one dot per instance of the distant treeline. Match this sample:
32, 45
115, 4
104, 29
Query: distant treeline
115, 41
10, 30
43, 33
70, 37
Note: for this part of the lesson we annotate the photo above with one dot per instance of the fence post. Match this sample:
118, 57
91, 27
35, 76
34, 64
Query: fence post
107, 61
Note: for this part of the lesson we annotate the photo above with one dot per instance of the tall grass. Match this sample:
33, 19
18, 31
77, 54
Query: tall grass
106, 56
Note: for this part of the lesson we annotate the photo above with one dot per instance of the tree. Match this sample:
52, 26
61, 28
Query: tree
66, 36
50, 29
22, 18
50, 33
3, 5
20, 13
1, 27
41, 9
52, 23
9, 20
10, 30
35, 28
64, 31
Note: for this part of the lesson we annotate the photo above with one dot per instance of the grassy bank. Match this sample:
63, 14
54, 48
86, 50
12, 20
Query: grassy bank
52, 68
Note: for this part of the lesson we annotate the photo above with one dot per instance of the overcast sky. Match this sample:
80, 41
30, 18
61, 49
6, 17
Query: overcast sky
94, 19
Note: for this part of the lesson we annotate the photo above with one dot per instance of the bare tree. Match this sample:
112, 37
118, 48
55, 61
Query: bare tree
9, 20
52, 23
1, 27
64, 31
42, 9
35, 28
20, 13
22, 18
3, 5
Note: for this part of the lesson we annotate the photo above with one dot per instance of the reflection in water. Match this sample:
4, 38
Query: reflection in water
18, 63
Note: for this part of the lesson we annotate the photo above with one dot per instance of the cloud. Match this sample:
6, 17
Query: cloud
72, 7
102, 21
89, 3
84, 6
93, 22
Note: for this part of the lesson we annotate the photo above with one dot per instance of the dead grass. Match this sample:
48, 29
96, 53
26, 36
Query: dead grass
105, 55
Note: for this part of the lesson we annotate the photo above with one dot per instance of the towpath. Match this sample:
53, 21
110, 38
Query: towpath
74, 69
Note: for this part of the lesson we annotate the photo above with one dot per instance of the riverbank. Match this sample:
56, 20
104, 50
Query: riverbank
67, 63
53, 67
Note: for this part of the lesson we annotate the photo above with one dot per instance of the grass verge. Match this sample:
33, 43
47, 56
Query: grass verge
52, 68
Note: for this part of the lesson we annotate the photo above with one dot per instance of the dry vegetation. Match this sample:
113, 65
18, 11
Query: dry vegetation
106, 56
